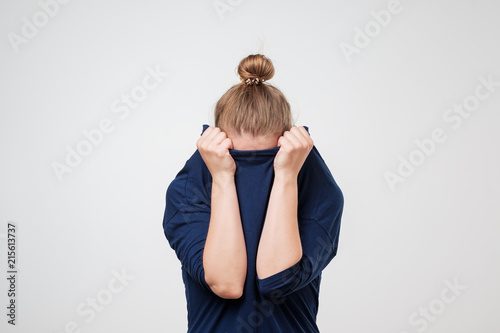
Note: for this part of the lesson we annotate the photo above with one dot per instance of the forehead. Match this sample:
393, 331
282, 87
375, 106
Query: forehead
246, 141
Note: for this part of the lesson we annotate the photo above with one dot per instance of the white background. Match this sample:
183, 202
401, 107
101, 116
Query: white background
397, 247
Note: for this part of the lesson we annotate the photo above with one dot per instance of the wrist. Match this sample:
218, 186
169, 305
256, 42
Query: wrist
223, 178
286, 177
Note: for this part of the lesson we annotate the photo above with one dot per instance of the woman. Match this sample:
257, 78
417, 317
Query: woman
254, 215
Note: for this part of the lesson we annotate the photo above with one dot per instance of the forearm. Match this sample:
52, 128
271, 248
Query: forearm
280, 246
224, 256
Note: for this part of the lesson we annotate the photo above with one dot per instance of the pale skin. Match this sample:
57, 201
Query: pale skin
224, 256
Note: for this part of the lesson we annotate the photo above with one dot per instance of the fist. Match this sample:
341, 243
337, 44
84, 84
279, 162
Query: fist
214, 146
295, 145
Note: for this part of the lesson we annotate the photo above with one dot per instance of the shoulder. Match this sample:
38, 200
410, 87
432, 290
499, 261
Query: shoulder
316, 171
319, 193
192, 184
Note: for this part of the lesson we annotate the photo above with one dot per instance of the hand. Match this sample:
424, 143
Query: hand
295, 145
214, 147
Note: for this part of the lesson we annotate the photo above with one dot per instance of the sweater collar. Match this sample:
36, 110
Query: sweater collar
258, 152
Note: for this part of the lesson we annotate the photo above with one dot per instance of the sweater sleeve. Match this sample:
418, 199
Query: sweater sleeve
186, 220
319, 215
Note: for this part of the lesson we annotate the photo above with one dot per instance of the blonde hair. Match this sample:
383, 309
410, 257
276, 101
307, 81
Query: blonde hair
254, 106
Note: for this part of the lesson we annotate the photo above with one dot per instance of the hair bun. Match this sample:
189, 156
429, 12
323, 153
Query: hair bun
255, 68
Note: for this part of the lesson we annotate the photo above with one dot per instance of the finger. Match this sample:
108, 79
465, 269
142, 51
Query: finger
219, 138
305, 136
206, 141
214, 131
206, 133
226, 144
301, 132
292, 137
204, 136
283, 143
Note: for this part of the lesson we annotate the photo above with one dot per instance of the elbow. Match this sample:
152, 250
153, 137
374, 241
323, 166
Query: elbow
227, 291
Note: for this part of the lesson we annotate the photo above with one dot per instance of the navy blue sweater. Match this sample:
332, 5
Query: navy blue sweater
285, 302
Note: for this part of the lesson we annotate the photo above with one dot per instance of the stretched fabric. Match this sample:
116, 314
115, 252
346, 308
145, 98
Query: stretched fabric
285, 302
